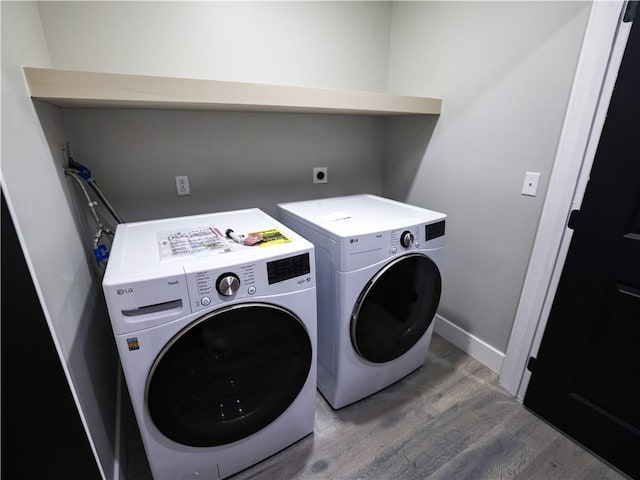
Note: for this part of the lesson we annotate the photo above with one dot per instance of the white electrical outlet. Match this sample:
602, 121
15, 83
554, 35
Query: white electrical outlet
530, 185
182, 185
320, 175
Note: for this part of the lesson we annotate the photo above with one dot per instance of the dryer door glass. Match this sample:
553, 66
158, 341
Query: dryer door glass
228, 374
396, 308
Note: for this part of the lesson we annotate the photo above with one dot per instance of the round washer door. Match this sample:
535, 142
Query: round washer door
396, 308
228, 374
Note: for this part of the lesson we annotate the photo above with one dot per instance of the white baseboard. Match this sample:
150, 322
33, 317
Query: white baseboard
471, 345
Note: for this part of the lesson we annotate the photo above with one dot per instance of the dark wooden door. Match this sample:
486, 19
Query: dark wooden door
586, 378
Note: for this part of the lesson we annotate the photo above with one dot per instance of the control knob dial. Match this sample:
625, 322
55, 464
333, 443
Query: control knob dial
227, 284
406, 239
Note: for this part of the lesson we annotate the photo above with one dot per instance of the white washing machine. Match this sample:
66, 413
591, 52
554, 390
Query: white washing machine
378, 266
217, 340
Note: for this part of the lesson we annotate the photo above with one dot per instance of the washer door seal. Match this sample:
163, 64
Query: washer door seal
228, 374
396, 308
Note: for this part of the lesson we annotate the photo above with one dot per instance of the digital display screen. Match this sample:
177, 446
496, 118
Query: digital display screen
434, 230
286, 268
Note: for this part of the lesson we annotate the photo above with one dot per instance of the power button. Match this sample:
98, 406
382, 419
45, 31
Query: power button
205, 301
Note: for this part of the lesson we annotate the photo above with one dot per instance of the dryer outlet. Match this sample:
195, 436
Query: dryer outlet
320, 174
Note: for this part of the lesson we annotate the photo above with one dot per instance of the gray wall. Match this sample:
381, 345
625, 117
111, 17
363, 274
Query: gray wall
233, 159
504, 71
324, 44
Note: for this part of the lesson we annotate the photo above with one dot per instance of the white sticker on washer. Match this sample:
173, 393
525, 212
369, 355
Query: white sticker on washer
191, 241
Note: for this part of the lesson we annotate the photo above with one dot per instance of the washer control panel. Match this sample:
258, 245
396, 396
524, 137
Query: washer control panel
211, 287
208, 288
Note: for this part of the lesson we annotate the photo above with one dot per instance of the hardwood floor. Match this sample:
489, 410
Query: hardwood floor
448, 420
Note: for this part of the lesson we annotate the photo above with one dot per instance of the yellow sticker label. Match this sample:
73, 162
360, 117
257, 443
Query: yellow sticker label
270, 237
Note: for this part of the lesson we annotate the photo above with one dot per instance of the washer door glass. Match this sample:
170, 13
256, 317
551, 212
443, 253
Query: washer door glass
396, 308
228, 374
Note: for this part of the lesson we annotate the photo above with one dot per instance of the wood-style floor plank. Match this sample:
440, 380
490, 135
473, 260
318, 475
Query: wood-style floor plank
448, 420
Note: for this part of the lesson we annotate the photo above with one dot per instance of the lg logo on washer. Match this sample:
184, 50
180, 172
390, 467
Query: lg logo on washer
122, 291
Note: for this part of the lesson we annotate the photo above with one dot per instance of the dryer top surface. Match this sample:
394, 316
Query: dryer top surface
343, 217
157, 248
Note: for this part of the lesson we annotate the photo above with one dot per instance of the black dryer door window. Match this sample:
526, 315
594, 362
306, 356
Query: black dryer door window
396, 308
228, 374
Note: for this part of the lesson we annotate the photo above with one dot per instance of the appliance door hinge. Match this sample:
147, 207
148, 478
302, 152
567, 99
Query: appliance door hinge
573, 219
531, 364
630, 12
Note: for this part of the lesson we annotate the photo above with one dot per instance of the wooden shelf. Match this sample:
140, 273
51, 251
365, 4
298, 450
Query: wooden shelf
88, 89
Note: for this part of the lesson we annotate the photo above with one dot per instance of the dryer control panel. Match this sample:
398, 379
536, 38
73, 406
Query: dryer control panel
364, 250
405, 239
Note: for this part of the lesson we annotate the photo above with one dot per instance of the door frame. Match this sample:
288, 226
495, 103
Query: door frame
602, 49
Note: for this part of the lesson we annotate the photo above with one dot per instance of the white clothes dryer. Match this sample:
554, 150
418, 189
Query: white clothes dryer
378, 265
217, 340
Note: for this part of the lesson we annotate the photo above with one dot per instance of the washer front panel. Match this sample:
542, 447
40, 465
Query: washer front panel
229, 374
396, 308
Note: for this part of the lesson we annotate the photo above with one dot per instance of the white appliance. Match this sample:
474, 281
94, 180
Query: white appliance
217, 340
378, 267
